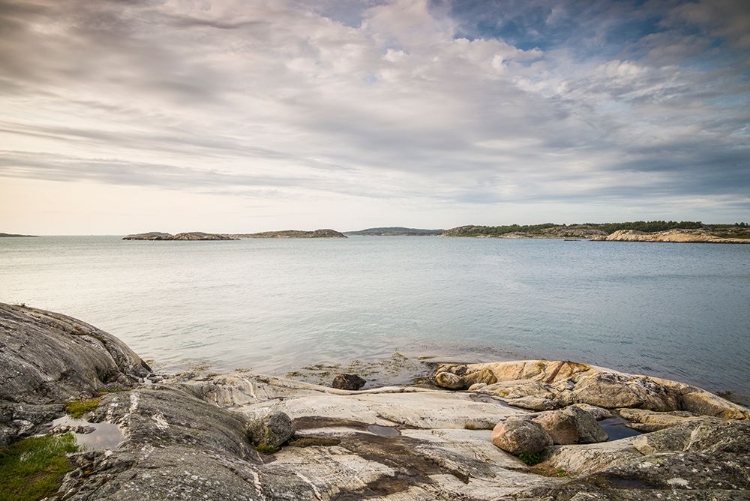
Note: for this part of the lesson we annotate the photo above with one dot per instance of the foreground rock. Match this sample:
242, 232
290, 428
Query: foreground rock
195, 235
195, 439
47, 358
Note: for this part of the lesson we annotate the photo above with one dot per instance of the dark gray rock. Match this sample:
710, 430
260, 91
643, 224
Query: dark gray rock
348, 382
271, 430
47, 358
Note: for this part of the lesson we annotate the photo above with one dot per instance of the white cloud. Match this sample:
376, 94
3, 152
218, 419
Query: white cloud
277, 101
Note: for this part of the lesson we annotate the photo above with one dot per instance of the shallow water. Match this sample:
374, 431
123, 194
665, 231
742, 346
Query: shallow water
105, 435
680, 311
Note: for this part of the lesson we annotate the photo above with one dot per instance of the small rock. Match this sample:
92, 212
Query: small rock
348, 382
517, 436
599, 413
450, 381
589, 430
271, 430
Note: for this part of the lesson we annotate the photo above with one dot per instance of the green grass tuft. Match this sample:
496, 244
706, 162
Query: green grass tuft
267, 449
33, 468
78, 408
531, 458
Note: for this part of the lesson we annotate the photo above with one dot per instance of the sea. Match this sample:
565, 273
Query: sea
680, 311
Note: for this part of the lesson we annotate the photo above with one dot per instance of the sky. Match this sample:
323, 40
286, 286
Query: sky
123, 116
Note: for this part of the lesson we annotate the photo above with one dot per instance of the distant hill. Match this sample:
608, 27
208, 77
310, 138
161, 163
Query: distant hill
2, 235
325, 233
395, 231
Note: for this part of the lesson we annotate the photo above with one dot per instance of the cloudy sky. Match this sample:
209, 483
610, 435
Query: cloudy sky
121, 116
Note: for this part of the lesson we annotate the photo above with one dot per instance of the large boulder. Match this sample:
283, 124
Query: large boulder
517, 436
272, 430
47, 358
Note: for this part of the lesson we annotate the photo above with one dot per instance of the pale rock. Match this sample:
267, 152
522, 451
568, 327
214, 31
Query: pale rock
517, 436
647, 421
450, 381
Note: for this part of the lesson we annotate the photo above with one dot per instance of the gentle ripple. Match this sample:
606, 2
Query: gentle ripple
676, 310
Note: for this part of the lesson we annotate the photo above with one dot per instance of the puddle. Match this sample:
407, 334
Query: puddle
383, 431
105, 435
616, 428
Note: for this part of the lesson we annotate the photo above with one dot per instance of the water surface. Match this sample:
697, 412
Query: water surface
680, 311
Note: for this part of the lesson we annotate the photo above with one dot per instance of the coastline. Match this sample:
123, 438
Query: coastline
229, 435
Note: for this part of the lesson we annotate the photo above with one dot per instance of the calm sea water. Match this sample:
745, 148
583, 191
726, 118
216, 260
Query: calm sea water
680, 311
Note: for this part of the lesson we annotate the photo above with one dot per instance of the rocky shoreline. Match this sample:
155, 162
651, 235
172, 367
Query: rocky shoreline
475, 434
671, 236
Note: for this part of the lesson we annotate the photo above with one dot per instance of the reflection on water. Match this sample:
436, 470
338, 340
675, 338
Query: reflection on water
105, 435
616, 428
383, 431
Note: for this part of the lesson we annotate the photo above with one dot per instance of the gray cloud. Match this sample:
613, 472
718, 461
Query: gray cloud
475, 103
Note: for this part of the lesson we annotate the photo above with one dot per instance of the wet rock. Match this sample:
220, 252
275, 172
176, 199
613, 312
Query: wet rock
271, 430
450, 381
519, 435
348, 382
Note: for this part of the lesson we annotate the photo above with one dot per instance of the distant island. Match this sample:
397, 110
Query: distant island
195, 235
324, 233
634, 231
3, 235
395, 231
